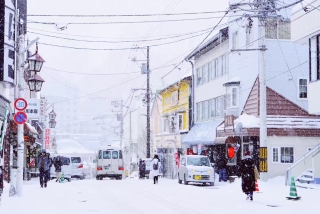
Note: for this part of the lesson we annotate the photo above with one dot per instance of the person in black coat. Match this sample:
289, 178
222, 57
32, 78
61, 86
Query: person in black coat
246, 170
221, 163
58, 166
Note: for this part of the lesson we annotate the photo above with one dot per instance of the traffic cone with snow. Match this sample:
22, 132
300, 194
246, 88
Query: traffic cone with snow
293, 191
257, 187
62, 178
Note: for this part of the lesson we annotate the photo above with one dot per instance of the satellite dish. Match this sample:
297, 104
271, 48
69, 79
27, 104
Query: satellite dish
238, 129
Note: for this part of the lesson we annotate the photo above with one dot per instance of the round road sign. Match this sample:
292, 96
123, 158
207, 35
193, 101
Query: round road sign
20, 117
20, 104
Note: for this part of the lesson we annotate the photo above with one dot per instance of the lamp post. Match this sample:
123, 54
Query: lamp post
35, 64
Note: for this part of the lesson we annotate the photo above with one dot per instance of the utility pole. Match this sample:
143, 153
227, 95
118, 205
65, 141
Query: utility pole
148, 104
146, 70
20, 126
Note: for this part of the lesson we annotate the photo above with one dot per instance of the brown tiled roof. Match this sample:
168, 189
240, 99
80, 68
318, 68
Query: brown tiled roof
276, 104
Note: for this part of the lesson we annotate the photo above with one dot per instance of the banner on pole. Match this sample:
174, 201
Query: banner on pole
47, 140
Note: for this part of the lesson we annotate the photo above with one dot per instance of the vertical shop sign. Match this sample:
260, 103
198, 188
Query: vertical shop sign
47, 140
263, 159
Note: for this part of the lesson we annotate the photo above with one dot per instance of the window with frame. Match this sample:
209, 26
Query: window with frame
234, 97
199, 111
303, 85
205, 110
278, 29
249, 36
235, 40
164, 125
205, 74
213, 70
220, 106
114, 155
180, 121
199, 76
314, 73
287, 154
275, 155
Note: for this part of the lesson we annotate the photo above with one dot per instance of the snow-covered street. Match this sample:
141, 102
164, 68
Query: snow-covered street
142, 196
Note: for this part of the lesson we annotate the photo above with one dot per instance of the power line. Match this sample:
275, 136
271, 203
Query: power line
114, 49
199, 44
127, 22
93, 74
128, 15
124, 41
99, 37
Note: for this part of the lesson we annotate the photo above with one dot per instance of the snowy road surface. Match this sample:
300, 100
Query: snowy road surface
142, 196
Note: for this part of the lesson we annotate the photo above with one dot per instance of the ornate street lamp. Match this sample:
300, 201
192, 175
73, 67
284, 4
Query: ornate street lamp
52, 124
35, 62
52, 115
35, 83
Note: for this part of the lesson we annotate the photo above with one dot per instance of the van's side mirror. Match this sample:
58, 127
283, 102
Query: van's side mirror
212, 164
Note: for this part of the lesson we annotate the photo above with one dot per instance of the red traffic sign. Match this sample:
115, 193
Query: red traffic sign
20, 117
20, 104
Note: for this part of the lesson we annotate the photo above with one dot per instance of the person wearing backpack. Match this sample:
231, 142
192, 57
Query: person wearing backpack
155, 165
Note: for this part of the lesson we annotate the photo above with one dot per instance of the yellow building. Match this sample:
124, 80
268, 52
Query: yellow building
175, 115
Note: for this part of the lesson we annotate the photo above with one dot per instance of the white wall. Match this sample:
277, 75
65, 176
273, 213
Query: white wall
213, 88
244, 64
282, 56
300, 145
304, 25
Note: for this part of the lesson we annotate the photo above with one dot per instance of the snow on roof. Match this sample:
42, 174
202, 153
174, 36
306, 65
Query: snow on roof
71, 146
236, 79
250, 121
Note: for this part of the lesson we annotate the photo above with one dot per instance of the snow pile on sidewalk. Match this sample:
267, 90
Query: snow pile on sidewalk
142, 196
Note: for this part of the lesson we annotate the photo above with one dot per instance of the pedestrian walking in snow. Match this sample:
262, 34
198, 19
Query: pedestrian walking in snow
222, 164
142, 169
247, 175
43, 166
155, 166
58, 167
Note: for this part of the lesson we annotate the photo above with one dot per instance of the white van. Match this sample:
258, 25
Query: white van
110, 163
66, 168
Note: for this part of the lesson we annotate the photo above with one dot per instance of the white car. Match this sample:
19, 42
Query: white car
77, 168
197, 169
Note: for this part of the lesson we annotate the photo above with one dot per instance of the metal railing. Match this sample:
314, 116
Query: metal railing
301, 165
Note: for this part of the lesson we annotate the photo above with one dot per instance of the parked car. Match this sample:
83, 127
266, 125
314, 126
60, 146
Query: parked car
110, 163
196, 169
77, 168
66, 168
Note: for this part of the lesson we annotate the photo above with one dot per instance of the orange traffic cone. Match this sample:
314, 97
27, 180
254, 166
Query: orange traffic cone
257, 187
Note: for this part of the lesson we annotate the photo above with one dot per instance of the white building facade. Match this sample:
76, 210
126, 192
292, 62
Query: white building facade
234, 91
306, 31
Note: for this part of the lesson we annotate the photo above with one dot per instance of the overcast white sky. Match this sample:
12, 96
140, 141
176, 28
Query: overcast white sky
88, 61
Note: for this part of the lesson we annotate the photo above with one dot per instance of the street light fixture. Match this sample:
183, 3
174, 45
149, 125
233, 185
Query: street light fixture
35, 62
52, 115
52, 124
35, 83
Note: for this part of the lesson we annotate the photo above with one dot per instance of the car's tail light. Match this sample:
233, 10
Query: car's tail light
121, 168
80, 166
99, 168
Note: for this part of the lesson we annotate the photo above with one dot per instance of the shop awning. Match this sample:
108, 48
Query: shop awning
32, 129
202, 133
